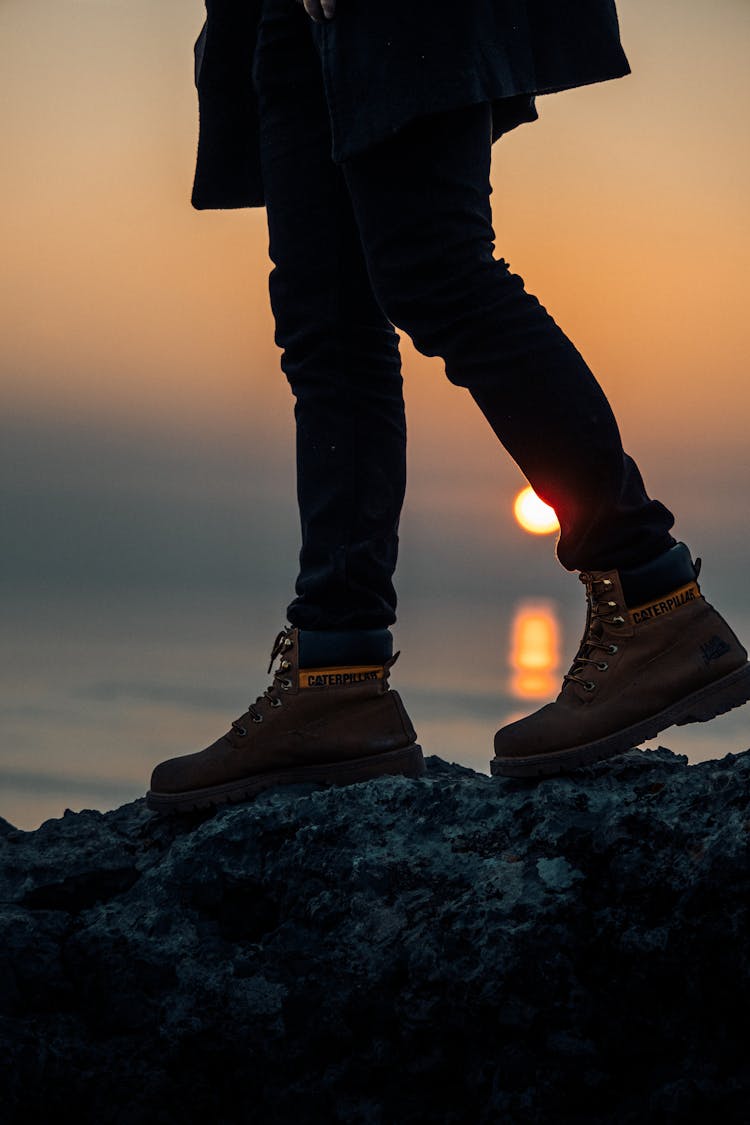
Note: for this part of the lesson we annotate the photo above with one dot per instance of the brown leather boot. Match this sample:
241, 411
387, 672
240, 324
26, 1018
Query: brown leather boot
668, 660
328, 725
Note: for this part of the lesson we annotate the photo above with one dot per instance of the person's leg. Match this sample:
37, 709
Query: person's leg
654, 652
422, 204
340, 352
329, 716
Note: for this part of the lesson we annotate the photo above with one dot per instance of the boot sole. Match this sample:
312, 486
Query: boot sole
715, 699
406, 762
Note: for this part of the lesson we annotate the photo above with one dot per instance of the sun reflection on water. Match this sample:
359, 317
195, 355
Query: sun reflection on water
534, 650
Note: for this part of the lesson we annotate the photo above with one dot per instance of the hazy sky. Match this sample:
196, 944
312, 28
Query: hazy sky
147, 437
624, 207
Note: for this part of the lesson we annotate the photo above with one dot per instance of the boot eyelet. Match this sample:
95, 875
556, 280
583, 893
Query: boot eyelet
602, 665
241, 731
607, 582
286, 685
612, 650
618, 620
257, 718
276, 703
589, 685
612, 605
285, 665
287, 642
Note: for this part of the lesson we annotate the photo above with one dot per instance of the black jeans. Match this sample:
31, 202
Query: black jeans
402, 235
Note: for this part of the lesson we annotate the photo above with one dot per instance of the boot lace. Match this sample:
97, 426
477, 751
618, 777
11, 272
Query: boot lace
601, 610
271, 697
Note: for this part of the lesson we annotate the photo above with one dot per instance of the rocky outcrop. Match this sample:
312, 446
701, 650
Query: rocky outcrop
454, 949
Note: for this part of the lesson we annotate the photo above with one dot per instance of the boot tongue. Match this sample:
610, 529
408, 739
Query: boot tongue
278, 646
593, 628
595, 631
585, 650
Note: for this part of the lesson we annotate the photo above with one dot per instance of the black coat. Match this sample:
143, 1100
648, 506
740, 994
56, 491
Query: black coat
386, 62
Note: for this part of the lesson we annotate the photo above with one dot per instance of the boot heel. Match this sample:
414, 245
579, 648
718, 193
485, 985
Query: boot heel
716, 699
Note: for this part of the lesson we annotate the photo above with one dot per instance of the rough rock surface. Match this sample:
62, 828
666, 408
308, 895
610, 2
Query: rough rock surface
454, 949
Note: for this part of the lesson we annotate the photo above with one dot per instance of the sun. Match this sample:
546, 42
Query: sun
533, 514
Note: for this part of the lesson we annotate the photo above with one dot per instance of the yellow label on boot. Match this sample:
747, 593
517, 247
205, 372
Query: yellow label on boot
668, 604
339, 677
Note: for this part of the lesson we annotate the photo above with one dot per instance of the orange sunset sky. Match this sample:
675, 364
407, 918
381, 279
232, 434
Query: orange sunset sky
147, 429
624, 207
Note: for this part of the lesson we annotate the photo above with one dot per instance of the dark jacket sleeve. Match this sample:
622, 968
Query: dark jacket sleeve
227, 170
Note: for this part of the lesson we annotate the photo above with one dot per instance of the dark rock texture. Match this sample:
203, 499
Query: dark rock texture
454, 949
